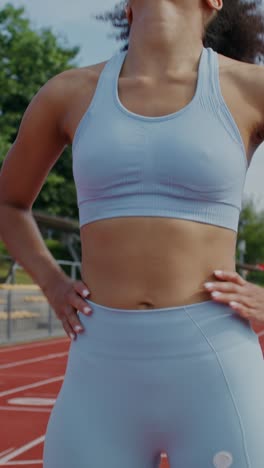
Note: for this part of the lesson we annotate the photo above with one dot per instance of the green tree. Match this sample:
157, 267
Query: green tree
251, 229
28, 59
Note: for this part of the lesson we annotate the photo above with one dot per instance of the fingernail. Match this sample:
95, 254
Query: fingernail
77, 328
72, 336
218, 272
87, 310
86, 292
208, 285
216, 293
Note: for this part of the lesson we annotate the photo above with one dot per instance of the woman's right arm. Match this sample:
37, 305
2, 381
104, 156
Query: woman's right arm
39, 143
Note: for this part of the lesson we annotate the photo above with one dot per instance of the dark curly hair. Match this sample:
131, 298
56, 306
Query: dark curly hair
237, 31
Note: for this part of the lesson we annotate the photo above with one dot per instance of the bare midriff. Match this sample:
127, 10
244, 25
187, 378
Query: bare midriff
153, 262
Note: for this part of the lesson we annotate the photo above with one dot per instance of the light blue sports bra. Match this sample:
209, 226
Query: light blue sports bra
190, 164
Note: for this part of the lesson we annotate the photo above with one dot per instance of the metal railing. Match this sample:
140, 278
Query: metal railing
25, 313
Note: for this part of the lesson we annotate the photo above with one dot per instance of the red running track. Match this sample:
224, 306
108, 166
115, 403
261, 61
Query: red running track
31, 375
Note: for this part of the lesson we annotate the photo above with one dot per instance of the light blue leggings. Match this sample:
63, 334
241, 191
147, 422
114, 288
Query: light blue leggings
187, 380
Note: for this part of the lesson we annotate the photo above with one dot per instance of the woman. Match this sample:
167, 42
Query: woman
162, 137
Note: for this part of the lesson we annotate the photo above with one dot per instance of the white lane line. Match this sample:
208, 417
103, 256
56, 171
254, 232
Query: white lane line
26, 408
25, 462
6, 451
13, 347
32, 401
22, 449
32, 385
30, 361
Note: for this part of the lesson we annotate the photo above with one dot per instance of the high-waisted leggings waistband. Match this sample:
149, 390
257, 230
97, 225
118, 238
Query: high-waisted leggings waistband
161, 332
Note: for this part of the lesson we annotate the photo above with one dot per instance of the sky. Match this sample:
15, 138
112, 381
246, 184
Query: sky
73, 21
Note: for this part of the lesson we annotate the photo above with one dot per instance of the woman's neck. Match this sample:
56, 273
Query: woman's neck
163, 39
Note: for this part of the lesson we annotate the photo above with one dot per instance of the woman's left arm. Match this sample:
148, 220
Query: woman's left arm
246, 298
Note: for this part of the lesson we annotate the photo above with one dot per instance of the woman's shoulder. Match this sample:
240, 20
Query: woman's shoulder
75, 79
248, 77
243, 85
71, 89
